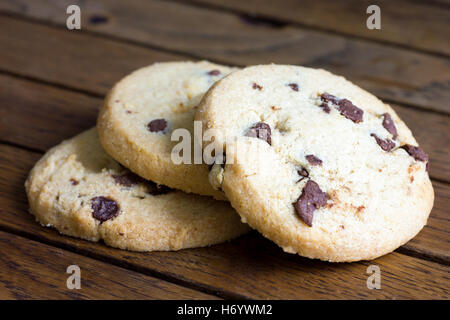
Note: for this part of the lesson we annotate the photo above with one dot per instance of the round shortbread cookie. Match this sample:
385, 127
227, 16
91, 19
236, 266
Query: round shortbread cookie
140, 113
321, 167
82, 192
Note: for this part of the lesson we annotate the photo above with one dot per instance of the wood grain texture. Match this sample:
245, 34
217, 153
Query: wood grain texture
32, 270
415, 24
68, 58
434, 240
391, 73
39, 116
249, 267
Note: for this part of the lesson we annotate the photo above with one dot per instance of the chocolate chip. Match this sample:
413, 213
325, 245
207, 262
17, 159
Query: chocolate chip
311, 199
156, 189
261, 131
74, 182
104, 208
293, 86
325, 107
303, 173
214, 72
326, 97
345, 107
313, 160
350, 111
387, 145
416, 152
127, 179
389, 125
157, 125
256, 86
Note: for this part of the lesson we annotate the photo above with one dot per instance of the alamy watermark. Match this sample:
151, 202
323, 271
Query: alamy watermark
74, 280
374, 20
73, 21
374, 280
208, 147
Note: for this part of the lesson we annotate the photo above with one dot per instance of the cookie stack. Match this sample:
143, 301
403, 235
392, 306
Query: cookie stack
314, 163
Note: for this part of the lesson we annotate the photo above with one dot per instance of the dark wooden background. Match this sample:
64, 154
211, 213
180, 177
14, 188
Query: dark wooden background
52, 81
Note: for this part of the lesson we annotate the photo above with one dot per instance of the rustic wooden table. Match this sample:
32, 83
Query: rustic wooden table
52, 81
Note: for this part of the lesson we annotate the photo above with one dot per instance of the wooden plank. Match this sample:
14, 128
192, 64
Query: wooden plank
434, 239
39, 116
431, 131
249, 267
421, 25
69, 58
391, 73
32, 270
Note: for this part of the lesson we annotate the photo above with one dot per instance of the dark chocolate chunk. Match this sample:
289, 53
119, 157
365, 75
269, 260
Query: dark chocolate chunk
104, 208
326, 97
345, 107
416, 152
157, 125
311, 199
256, 86
387, 145
350, 111
389, 125
127, 179
261, 131
313, 160
303, 173
293, 86
74, 182
214, 72
156, 189
325, 107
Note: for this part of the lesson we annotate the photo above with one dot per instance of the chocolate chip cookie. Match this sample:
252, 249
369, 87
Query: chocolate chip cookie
315, 163
142, 111
82, 192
